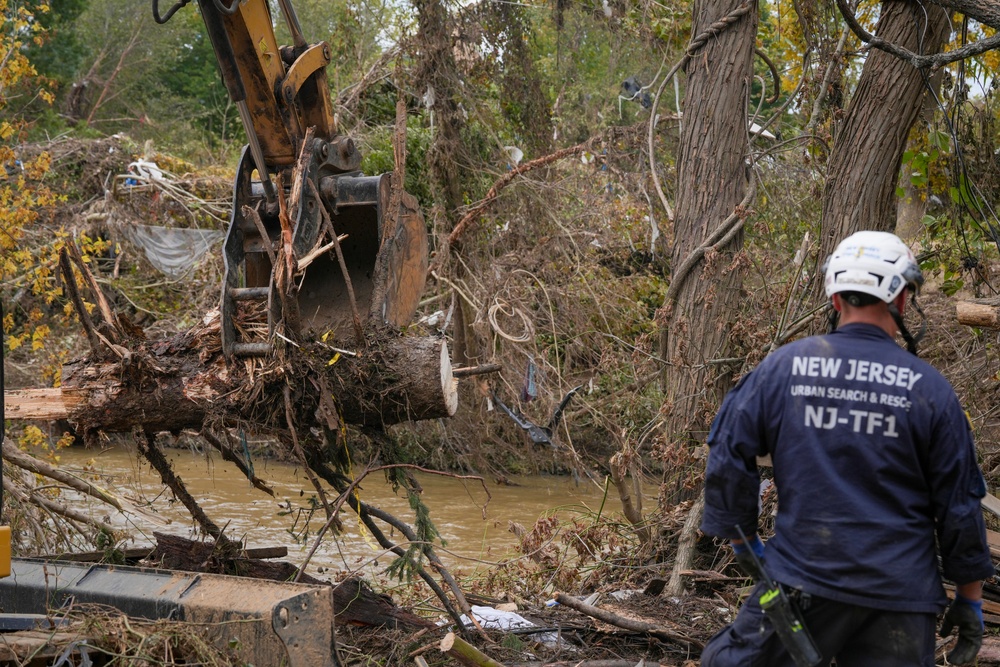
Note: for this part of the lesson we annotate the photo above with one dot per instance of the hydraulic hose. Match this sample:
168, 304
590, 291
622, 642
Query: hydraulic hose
228, 11
166, 17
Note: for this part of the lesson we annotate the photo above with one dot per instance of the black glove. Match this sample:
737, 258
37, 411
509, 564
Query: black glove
745, 559
967, 616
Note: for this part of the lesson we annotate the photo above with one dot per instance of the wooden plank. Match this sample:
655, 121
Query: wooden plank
992, 504
993, 539
19, 647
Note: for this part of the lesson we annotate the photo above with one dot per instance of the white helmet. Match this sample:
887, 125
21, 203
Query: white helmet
876, 263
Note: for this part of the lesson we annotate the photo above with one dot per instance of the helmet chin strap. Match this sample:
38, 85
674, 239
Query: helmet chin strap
832, 318
911, 340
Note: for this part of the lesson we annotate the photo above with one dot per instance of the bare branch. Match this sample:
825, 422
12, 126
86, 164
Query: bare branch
39, 467
148, 448
919, 61
628, 623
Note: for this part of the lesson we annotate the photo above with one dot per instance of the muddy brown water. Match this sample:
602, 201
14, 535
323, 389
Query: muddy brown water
474, 524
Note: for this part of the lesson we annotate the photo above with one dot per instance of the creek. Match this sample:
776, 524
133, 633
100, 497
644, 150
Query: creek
471, 515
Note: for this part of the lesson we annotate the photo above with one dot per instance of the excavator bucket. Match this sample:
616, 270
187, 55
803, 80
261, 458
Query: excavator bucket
264, 622
386, 267
385, 256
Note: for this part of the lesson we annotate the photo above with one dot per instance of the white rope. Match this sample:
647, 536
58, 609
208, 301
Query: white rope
529, 329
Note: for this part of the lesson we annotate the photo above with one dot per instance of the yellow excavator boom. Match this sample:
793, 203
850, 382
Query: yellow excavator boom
294, 153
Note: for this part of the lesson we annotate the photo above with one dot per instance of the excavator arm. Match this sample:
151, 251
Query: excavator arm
298, 166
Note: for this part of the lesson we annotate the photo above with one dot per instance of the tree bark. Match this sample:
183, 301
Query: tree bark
913, 203
984, 11
712, 178
864, 165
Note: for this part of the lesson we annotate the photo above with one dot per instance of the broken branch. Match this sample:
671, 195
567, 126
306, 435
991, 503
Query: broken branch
627, 623
464, 652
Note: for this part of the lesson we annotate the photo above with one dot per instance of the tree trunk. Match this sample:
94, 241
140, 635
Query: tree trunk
864, 165
712, 180
181, 383
438, 78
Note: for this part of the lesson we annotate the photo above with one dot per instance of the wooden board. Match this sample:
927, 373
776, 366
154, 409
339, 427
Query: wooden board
31, 647
992, 504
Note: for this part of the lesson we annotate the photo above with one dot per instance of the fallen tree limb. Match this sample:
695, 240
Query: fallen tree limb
74, 293
984, 313
686, 544
148, 448
39, 467
55, 508
627, 623
431, 556
361, 510
476, 370
462, 651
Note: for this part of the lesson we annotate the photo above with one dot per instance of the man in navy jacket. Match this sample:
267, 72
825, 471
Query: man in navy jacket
873, 458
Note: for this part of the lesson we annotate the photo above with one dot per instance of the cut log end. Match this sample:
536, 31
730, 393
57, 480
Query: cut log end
449, 383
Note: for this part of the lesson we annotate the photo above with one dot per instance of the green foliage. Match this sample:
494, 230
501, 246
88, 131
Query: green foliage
60, 54
378, 156
405, 567
194, 83
23, 194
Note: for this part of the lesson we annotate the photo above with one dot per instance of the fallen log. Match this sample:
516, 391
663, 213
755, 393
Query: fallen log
181, 382
983, 313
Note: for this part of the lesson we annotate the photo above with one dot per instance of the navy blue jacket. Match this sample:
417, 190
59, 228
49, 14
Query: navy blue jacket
872, 456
